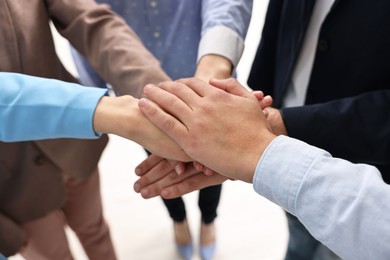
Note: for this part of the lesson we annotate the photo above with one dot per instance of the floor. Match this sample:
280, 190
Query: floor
248, 226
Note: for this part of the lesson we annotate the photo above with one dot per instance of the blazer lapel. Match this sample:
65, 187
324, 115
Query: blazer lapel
336, 2
295, 19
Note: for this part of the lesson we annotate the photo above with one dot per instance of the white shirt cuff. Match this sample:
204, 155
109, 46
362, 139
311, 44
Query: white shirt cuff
222, 41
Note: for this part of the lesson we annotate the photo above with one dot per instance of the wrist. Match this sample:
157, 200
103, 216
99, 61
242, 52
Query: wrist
213, 66
116, 115
249, 168
275, 121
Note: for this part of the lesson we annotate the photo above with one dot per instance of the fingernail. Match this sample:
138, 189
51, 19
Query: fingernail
178, 169
148, 87
143, 102
196, 165
145, 193
137, 187
138, 171
208, 172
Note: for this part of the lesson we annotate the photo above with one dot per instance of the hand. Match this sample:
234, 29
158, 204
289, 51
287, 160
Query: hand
185, 184
158, 177
273, 115
264, 101
224, 132
212, 67
121, 116
231, 86
217, 70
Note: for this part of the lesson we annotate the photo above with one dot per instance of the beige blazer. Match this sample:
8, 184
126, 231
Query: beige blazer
31, 172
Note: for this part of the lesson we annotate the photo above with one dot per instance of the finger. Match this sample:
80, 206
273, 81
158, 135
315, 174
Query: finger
195, 182
154, 189
183, 91
231, 86
266, 102
179, 167
147, 164
204, 169
198, 166
266, 113
197, 85
258, 94
166, 98
159, 171
166, 122
208, 171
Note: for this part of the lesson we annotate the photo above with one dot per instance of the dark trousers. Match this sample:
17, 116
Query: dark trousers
208, 203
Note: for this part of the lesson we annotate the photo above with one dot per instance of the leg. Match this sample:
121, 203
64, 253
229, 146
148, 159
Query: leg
302, 245
208, 203
84, 214
324, 253
46, 238
183, 240
176, 209
177, 212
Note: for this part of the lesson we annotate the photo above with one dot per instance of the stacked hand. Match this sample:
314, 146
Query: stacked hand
121, 116
223, 128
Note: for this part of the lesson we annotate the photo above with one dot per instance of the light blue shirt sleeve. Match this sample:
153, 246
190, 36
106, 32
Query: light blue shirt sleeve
179, 33
224, 27
344, 205
33, 108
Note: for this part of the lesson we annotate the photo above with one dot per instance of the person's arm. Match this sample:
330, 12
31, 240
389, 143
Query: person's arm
224, 26
121, 116
343, 205
111, 47
31, 109
354, 128
223, 22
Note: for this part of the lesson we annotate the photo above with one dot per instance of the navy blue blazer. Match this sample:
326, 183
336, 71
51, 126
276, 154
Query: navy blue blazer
348, 97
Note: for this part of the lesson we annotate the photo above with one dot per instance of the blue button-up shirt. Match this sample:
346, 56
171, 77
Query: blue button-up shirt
344, 205
180, 32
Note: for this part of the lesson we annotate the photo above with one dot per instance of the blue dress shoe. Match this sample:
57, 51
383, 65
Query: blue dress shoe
207, 252
185, 251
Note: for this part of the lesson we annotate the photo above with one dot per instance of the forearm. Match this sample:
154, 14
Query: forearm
340, 203
121, 116
224, 27
35, 108
356, 128
108, 43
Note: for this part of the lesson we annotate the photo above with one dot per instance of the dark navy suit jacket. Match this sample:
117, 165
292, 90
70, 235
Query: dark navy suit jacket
348, 97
